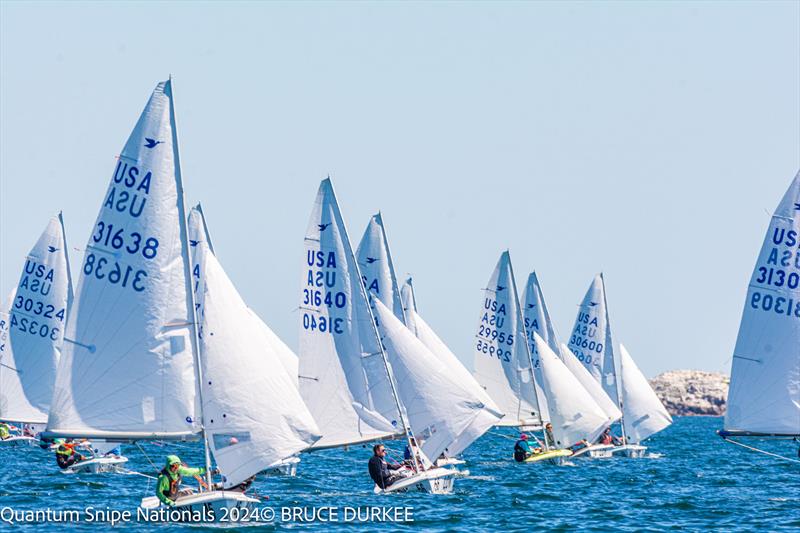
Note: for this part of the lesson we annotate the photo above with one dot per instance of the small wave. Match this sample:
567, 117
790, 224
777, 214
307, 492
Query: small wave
482, 478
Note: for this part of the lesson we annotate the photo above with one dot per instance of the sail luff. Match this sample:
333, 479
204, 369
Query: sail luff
617, 376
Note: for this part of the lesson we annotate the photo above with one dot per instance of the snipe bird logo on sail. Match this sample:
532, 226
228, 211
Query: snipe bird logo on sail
151, 143
531, 306
500, 288
797, 206
52, 249
323, 227
371, 260
193, 243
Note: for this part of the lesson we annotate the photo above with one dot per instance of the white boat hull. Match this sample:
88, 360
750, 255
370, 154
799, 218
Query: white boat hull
595, 451
287, 467
433, 481
449, 461
97, 465
213, 505
635, 451
18, 440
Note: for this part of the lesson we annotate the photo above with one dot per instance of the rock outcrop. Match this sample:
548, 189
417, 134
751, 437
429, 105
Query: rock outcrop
692, 392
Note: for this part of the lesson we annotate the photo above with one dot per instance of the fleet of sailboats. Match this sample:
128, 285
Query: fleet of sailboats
156, 344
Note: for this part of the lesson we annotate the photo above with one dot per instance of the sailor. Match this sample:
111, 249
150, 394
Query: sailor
549, 439
608, 438
522, 450
407, 454
170, 477
5, 431
379, 468
66, 455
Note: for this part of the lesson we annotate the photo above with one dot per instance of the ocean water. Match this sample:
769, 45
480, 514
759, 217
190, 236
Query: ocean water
690, 480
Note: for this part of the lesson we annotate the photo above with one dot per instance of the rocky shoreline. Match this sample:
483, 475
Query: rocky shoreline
692, 392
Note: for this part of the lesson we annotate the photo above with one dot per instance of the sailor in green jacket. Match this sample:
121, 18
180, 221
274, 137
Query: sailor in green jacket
169, 480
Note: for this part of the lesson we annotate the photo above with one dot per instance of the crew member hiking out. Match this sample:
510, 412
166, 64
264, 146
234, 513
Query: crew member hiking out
379, 468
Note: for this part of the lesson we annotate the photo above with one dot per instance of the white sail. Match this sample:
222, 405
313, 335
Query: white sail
377, 268
407, 295
342, 371
591, 385
591, 339
490, 415
501, 356
32, 327
644, 412
198, 232
537, 321
439, 408
252, 412
127, 368
573, 412
764, 393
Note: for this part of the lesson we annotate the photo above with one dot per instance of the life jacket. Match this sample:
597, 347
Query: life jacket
172, 492
519, 452
65, 450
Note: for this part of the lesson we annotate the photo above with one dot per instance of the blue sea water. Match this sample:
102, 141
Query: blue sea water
691, 480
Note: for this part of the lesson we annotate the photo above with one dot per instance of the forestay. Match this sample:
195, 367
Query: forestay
573, 412
490, 415
764, 393
32, 329
501, 355
252, 412
127, 369
343, 375
644, 412
591, 339
377, 268
439, 408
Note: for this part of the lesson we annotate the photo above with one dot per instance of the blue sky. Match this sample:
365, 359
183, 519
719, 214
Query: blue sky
647, 140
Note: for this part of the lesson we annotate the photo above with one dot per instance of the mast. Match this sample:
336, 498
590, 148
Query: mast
188, 279
617, 377
406, 427
521, 321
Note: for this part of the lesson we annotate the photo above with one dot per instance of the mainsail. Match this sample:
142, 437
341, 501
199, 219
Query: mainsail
501, 355
128, 366
764, 393
343, 375
573, 412
644, 412
591, 339
33, 329
252, 411
377, 268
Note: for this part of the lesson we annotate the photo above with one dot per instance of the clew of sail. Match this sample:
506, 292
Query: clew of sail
32, 328
252, 412
343, 377
591, 340
439, 407
502, 360
573, 412
764, 393
127, 369
644, 412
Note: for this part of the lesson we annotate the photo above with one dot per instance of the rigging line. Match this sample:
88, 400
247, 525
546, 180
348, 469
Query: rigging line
148, 459
134, 473
502, 435
761, 451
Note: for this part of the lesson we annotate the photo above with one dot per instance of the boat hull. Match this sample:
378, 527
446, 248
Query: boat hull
18, 440
213, 505
634, 451
433, 481
449, 461
554, 457
595, 451
97, 465
287, 467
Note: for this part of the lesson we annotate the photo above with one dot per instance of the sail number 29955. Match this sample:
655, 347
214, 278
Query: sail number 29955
489, 349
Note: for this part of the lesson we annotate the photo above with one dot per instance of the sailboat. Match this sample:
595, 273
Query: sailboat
136, 369
32, 334
276, 355
502, 358
378, 273
592, 343
764, 393
345, 376
571, 401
